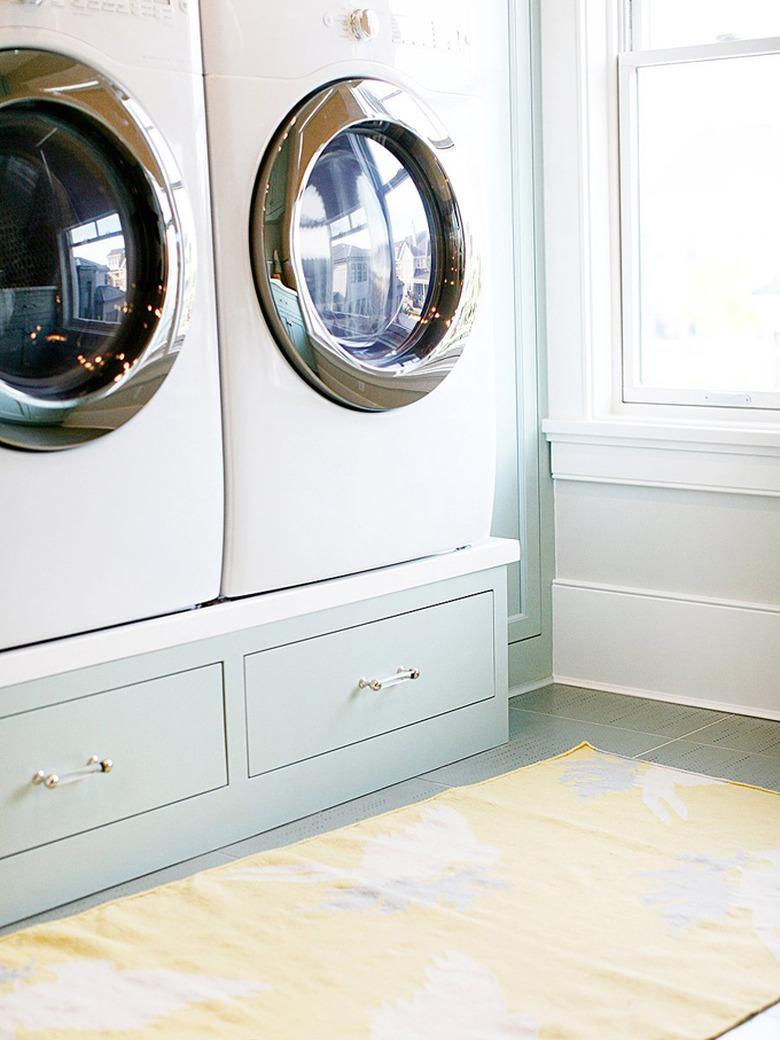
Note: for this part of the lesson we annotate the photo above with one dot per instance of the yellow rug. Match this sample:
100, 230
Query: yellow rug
588, 897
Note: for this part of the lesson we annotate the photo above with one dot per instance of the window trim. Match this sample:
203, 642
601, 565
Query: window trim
630, 389
580, 280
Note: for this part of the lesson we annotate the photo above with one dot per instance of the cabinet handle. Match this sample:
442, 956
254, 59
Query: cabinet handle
94, 765
381, 684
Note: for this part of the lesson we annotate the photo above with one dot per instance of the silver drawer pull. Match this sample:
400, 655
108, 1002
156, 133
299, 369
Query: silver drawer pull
381, 684
94, 765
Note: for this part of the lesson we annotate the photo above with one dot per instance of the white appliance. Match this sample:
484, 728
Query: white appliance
354, 303
111, 496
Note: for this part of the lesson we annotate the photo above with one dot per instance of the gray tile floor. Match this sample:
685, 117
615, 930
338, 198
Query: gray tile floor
544, 722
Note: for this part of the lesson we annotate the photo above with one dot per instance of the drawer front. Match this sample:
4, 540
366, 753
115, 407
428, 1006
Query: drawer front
165, 738
305, 698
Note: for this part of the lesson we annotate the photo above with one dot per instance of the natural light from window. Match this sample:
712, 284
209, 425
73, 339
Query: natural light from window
682, 23
709, 224
700, 169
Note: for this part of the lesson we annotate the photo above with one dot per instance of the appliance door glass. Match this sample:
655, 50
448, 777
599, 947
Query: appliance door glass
82, 262
361, 258
96, 253
366, 239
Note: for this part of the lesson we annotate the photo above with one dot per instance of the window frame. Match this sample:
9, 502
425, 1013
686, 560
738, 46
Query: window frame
629, 62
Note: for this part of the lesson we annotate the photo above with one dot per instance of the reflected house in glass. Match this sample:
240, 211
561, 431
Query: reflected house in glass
350, 287
101, 287
91, 278
117, 268
413, 270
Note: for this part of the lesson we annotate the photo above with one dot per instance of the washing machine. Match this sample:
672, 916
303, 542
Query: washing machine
111, 499
354, 297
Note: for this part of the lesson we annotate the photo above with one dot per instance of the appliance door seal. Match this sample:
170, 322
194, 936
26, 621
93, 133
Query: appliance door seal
364, 266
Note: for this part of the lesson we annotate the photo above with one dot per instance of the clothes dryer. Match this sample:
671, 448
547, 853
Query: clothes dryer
353, 300
110, 447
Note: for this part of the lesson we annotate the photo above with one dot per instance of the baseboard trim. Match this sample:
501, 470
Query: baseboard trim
703, 652
655, 695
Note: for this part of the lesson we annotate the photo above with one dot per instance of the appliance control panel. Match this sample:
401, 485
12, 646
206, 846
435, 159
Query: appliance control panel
121, 29
437, 45
163, 10
404, 29
428, 39
429, 33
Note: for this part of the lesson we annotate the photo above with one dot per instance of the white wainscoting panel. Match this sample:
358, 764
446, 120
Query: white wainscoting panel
711, 653
701, 544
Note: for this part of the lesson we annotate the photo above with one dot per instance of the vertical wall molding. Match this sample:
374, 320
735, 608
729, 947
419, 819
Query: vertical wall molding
530, 613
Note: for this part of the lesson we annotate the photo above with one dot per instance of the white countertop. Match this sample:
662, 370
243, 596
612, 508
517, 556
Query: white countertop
72, 652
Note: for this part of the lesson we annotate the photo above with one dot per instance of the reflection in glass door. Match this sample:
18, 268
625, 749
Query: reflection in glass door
82, 270
361, 257
365, 241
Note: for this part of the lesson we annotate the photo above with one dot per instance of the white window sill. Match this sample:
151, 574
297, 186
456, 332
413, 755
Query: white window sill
683, 436
734, 459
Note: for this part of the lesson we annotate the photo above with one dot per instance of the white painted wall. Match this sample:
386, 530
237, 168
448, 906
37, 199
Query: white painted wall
669, 592
667, 520
690, 543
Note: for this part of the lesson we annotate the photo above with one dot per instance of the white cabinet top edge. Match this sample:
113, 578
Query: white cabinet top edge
65, 655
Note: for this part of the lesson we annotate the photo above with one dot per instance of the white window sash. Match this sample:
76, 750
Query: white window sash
628, 65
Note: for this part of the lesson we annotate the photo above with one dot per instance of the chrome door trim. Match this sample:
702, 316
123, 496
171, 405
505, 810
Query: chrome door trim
394, 116
29, 422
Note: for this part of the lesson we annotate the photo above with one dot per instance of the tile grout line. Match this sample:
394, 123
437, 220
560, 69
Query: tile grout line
726, 775
613, 725
684, 736
657, 747
583, 722
670, 704
719, 747
569, 718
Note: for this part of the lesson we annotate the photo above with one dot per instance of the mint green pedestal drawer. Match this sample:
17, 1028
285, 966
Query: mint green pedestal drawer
234, 733
308, 698
164, 738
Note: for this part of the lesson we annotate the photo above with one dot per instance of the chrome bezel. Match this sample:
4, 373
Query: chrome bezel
27, 421
386, 109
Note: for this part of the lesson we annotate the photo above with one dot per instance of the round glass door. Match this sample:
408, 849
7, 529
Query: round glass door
85, 257
366, 241
80, 289
359, 248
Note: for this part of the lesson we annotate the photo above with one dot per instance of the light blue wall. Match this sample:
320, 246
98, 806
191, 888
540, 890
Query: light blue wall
524, 503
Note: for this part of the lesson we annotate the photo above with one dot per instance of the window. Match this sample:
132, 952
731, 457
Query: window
700, 202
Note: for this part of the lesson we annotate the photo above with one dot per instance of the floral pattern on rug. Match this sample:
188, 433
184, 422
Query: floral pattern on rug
704, 889
93, 995
657, 784
435, 860
461, 999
